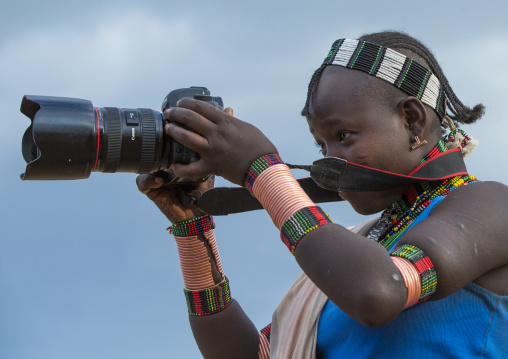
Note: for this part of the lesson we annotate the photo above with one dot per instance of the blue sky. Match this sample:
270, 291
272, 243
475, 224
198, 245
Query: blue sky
87, 269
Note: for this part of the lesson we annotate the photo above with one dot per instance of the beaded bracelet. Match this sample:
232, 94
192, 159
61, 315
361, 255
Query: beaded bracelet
258, 166
192, 227
209, 300
423, 265
301, 223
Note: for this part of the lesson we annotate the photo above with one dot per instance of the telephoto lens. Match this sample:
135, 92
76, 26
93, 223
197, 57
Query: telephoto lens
70, 138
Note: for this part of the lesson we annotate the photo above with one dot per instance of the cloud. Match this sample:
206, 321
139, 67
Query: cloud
474, 65
114, 53
107, 62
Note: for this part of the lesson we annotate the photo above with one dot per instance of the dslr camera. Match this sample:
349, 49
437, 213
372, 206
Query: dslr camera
70, 138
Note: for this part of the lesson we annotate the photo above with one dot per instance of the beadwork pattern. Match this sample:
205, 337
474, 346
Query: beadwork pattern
301, 223
387, 64
258, 166
193, 227
395, 220
423, 265
439, 148
209, 300
266, 331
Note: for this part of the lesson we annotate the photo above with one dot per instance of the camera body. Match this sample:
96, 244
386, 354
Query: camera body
70, 138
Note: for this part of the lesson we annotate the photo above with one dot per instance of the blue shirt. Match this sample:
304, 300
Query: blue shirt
471, 323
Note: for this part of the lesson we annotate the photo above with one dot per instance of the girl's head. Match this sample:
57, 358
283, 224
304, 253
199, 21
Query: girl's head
372, 114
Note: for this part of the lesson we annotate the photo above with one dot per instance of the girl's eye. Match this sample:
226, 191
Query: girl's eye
343, 135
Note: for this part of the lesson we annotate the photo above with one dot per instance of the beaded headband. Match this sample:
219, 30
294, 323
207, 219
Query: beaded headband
399, 70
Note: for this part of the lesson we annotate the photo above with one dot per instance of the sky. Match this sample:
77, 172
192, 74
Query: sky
87, 268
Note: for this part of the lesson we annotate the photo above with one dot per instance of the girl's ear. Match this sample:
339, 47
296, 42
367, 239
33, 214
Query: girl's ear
415, 115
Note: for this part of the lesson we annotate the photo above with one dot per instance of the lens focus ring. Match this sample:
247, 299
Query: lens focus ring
148, 141
114, 131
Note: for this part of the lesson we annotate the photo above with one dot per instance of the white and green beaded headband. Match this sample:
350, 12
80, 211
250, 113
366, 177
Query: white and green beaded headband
392, 66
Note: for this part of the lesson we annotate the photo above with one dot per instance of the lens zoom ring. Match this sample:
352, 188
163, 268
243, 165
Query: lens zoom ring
148, 141
113, 152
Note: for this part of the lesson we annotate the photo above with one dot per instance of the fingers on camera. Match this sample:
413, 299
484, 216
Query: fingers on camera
210, 112
187, 138
148, 182
190, 119
195, 169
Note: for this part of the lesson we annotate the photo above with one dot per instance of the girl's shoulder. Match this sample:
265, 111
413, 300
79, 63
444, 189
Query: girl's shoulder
486, 194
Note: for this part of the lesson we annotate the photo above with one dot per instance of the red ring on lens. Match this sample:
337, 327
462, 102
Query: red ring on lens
98, 138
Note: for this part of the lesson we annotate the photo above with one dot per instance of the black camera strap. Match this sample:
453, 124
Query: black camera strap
221, 201
329, 176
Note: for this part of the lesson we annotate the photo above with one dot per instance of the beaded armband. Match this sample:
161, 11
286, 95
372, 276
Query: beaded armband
423, 265
301, 223
192, 227
209, 300
258, 166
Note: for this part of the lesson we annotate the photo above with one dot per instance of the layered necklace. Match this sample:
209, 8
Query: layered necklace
397, 218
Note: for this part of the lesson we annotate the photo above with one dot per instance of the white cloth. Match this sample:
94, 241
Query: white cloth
295, 321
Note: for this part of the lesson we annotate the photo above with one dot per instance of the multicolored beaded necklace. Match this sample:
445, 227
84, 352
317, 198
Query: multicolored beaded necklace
396, 219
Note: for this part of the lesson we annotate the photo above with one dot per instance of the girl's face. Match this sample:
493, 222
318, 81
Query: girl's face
351, 127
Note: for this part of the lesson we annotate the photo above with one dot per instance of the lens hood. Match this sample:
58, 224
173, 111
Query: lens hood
61, 141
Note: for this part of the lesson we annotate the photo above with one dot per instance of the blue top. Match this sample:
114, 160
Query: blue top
471, 323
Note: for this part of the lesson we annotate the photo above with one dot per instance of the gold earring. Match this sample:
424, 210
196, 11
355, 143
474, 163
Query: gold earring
418, 143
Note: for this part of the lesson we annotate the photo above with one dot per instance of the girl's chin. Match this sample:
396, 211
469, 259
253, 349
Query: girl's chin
368, 203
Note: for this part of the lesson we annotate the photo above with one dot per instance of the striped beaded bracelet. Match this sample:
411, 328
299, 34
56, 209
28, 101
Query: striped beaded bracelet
423, 265
192, 227
258, 166
209, 300
301, 223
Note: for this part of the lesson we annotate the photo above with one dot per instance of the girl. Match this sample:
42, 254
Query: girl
429, 277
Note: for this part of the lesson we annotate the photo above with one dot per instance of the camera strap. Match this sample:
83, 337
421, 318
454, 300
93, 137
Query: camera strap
330, 175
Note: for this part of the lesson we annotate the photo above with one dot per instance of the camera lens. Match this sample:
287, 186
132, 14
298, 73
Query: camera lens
70, 138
